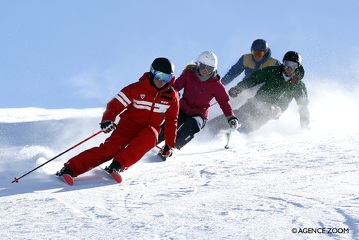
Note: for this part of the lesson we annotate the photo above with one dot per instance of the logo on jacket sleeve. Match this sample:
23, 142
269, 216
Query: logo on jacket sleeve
142, 96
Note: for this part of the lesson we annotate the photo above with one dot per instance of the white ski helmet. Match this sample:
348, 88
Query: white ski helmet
208, 58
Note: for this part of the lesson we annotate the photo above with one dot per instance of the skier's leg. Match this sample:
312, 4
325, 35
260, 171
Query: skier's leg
92, 157
258, 115
217, 124
140, 144
182, 117
220, 123
95, 156
161, 136
187, 131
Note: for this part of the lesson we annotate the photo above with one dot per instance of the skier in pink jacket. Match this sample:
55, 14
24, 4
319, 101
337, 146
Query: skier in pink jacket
200, 84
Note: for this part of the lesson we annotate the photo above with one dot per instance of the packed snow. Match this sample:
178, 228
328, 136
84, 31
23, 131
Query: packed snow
276, 183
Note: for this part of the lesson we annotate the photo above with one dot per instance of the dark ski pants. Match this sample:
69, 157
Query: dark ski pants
251, 116
254, 114
187, 127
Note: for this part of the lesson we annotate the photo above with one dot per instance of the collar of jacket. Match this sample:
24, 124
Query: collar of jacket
213, 77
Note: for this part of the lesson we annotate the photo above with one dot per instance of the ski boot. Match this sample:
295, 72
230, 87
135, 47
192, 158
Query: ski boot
114, 170
66, 175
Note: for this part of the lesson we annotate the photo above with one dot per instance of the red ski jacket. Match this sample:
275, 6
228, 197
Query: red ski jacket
140, 105
197, 95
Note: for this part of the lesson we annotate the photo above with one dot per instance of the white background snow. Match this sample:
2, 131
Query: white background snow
265, 186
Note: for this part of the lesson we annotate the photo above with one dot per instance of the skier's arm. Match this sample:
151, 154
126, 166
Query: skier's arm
171, 123
254, 79
180, 82
119, 103
233, 72
303, 102
222, 99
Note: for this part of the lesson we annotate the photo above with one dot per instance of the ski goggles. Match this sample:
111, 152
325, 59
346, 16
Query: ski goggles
290, 64
258, 53
161, 76
203, 67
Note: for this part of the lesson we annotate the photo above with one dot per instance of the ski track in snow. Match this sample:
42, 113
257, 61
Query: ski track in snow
260, 188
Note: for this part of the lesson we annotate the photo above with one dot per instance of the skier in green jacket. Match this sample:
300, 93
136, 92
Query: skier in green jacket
280, 85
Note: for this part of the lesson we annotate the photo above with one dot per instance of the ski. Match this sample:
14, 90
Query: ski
161, 156
66, 178
114, 174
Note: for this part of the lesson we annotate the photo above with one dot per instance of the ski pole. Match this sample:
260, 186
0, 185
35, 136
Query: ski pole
228, 137
76, 145
213, 104
159, 148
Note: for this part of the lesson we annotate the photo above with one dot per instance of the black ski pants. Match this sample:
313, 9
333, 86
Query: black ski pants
187, 127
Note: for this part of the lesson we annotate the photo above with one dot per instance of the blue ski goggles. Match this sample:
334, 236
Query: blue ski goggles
161, 76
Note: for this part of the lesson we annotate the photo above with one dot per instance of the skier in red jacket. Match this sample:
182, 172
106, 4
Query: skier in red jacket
200, 83
142, 107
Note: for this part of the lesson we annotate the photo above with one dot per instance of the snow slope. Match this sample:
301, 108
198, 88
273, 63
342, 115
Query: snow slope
265, 186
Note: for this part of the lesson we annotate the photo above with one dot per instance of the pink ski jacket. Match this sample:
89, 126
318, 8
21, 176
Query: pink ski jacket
197, 94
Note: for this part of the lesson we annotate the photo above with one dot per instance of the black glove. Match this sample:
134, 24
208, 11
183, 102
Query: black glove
107, 126
233, 92
167, 151
233, 122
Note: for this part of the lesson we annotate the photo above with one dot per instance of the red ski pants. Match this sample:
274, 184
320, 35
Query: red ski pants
125, 145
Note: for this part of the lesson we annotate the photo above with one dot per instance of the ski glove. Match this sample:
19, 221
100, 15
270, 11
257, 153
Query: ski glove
233, 122
167, 151
107, 126
233, 92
